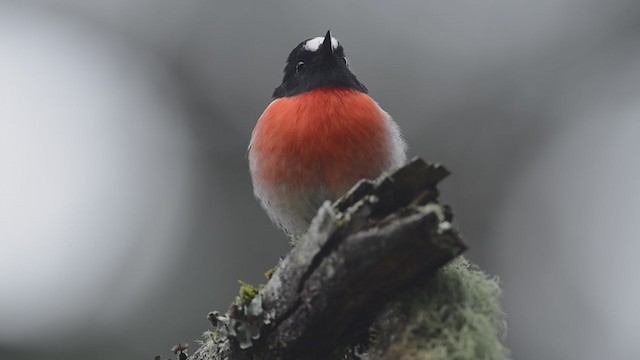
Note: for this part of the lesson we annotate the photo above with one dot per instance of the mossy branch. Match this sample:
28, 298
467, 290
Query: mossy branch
381, 239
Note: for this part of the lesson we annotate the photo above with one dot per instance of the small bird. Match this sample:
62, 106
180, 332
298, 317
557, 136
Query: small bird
320, 135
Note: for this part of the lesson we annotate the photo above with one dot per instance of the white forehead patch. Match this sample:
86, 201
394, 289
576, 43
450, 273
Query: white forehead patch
314, 44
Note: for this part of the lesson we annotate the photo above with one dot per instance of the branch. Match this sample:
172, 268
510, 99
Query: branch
379, 240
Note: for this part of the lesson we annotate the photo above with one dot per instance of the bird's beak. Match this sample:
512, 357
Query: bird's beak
326, 49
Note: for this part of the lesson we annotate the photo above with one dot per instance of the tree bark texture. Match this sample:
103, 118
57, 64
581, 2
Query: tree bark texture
360, 253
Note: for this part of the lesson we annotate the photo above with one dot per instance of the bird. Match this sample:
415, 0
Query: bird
319, 136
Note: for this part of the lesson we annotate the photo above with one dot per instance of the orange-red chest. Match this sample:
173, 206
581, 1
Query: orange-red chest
326, 137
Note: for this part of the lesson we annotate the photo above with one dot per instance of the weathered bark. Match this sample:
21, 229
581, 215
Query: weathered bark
379, 240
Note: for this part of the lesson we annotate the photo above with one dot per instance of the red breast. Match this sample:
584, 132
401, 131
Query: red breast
328, 136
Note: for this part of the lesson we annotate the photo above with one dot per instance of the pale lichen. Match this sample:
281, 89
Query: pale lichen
457, 316
242, 321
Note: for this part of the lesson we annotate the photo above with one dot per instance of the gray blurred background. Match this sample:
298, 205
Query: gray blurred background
126, 209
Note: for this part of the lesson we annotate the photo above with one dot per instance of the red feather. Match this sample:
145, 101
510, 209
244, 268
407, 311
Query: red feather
330, 137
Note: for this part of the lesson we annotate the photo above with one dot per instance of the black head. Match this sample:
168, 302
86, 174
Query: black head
316, 63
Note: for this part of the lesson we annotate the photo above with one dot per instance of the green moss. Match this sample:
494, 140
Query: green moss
457, 317
247, 293
269, 273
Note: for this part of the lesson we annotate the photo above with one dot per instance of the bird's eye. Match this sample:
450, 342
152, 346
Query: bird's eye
344, 60
300, 66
